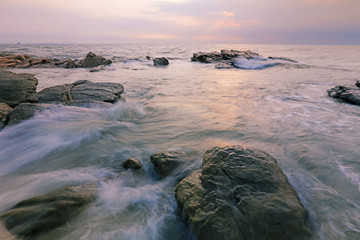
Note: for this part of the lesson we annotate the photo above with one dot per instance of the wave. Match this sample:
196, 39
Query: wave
60, 128
260, 63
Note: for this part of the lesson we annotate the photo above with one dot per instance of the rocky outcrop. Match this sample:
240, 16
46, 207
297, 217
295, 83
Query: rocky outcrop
223, 56
226, 59
18, 91
40, 214
132, 163
166, 162
17, 88
26, 61
347, 94
92, 60
5, 111
241, 193
160, 61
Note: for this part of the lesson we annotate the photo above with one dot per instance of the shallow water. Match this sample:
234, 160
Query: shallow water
282, 108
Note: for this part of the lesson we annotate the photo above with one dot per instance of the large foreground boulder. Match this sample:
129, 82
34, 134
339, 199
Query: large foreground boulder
241, 194
17, 88
348, 94
40, 214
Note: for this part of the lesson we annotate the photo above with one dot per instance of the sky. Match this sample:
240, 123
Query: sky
180, 21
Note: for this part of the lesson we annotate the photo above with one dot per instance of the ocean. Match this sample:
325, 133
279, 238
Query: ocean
277, 106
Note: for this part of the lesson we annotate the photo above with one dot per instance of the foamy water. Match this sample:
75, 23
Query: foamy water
275, 105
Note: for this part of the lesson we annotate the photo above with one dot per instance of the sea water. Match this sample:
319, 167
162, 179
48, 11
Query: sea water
275, 105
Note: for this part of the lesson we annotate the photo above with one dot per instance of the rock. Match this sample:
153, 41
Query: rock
25, 111
40, 214
17, 88
231, 54
55, 94
5, 111
84, 90
161, 61
347, 94
167, 162
132, 163
357, 83
241, 194
92, 60
70, 64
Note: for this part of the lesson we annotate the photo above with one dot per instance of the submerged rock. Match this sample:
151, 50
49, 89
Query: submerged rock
161, 61
166, 162
17, 88
241, 194
132, 163
40, 214
347, 94
92, 60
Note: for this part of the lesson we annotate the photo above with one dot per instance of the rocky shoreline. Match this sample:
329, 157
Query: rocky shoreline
239, 193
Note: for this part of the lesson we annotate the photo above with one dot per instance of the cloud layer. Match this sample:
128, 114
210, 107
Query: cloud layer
235, 21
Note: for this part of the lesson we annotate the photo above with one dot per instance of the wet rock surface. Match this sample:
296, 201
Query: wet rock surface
17, 88
105, 92
166, 162
348, 94
5, 111
40, 214
132, 163
55, 94
241, 193
25, 111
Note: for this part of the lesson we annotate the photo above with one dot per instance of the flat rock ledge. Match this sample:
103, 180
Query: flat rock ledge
349, 94
241, 193
26, 61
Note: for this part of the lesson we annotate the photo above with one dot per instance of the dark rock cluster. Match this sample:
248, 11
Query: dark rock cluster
20, 101
239, 194
348, 94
